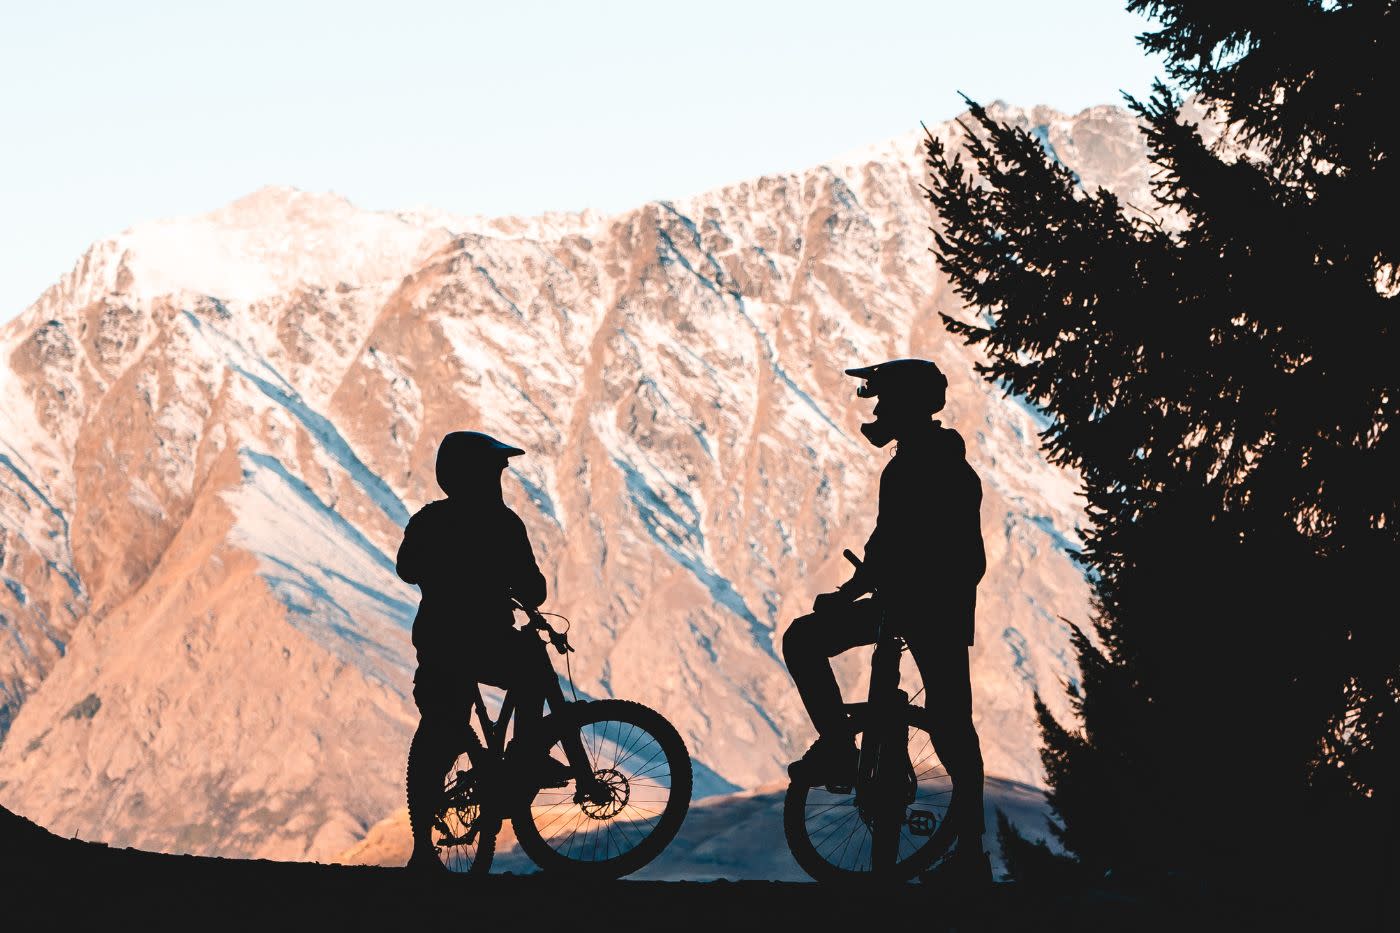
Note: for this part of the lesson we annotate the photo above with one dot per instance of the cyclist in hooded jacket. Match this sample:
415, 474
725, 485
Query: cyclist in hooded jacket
470, 555
924, 560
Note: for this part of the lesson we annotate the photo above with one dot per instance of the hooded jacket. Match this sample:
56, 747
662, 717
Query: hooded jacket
469, 555
927, 548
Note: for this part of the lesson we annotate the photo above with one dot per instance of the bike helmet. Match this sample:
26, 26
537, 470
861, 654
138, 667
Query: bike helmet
910, 388
464, 454
909, 380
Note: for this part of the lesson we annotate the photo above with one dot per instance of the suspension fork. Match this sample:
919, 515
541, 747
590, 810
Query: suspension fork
883, 754
571, 740
885, 700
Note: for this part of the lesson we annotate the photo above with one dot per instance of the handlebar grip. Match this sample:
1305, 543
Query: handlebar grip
850, 556
531, 612
560, 640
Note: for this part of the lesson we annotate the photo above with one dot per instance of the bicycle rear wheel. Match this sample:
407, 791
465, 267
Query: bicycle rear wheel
464, 838
887, 832
633, 809
463, 833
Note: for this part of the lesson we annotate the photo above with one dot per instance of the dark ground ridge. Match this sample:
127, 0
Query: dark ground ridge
57, 883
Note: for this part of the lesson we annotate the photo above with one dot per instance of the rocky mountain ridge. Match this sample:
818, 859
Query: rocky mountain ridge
214, 429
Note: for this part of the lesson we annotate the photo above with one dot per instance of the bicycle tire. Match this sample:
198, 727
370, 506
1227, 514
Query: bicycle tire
455, 817
616, 735
816, 811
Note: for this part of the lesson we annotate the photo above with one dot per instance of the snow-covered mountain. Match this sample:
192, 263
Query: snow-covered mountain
214, 428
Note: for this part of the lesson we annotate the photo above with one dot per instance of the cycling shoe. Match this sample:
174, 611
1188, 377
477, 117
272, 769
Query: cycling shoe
830, 762
426, 862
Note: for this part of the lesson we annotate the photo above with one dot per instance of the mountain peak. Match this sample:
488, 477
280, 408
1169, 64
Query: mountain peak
272, 203
273, 240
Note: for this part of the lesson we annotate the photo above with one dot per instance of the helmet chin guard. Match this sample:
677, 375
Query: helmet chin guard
909, 387
878, 432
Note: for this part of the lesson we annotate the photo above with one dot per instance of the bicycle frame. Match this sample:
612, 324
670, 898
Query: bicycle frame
498, 785
494, 730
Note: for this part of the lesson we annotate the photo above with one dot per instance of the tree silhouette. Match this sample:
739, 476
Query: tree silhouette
1223, 376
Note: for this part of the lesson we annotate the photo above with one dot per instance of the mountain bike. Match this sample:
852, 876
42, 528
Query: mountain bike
893, 822
617, 804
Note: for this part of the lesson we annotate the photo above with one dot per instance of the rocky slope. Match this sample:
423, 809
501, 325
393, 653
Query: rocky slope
214, 428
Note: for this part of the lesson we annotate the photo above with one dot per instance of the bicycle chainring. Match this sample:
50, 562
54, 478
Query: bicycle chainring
461, 802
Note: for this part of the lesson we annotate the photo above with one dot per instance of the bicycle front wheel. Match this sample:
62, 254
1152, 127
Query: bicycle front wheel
889, 828
630, 805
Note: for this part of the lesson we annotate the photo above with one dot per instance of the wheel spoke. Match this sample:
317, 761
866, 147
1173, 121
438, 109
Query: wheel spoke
648, 766
562, 816
809, 814
859, 825
634, 752
834, 826
621, 744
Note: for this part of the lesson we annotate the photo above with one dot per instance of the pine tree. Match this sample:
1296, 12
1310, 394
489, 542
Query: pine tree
1226, 385
1032, 862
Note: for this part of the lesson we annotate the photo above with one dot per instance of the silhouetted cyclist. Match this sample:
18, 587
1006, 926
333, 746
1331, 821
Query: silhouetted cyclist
925, 557
470, 555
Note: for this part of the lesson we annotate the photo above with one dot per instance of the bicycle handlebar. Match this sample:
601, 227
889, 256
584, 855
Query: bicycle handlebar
560, 640
856, 562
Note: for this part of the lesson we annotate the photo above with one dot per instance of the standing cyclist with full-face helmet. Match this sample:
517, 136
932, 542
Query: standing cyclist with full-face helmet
925, 558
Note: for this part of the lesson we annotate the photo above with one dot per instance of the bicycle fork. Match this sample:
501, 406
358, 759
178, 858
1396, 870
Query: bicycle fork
883, 763
586, 786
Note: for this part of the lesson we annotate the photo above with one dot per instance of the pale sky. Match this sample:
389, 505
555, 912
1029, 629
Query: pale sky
116, 113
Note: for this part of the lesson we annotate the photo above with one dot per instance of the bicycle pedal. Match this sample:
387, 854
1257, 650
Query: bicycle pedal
921, 822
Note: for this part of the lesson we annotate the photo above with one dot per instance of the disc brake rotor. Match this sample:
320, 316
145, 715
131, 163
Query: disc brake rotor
608, 797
